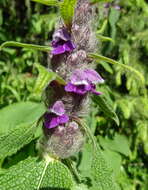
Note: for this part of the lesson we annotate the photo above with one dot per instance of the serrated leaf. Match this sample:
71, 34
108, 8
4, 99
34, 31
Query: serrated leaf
24, 45
111, 61
15, 139
86, 158
32, 174
67, 8
114, 161
44, 79
102, 102
47, 2
19, 113
102, 174
119, 144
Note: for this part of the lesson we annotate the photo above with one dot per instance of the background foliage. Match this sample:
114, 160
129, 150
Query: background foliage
125, 147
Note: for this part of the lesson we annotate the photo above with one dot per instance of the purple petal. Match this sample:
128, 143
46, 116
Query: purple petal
58, 120
86, 77
63, 119
69, 46
78, 89
65, 35
61, 34
78, 77
70, 87
58, 108
93, 76
48, 118
59, 50
53, 123
81, 89
56, 43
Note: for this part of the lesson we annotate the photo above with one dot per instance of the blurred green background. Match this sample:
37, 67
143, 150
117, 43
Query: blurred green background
125, 147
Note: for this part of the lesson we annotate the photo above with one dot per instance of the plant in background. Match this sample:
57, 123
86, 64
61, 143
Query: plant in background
67, 86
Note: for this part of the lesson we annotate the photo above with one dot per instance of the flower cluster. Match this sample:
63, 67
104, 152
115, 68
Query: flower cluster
81, 82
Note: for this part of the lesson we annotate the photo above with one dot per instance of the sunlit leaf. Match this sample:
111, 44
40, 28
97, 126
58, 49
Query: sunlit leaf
103, 175
32, 174
100, 171
119, 144
19, 113
114, 160
16, 138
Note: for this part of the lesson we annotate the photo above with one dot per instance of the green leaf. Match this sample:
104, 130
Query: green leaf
47, 2
15, 139
119, 144
114, 161
19, 113
44, 79
113, 18
125, 105
106, 66
32, 174
67, 8
102, 174
104, 105
108, 60
103, 27
24, 45
86, 158
100, 171
142, 127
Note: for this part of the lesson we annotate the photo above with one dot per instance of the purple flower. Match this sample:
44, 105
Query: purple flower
83, 81
62, 42
56, 116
